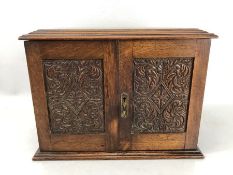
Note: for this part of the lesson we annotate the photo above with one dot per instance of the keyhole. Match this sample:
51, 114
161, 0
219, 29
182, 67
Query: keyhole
124, 103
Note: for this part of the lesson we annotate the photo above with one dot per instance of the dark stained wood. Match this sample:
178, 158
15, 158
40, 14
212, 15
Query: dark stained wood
125, 86
126, 155
70, 99
117, 34
70, 50
164, 48
197, 92
38, 94
111, 95
169, 141
161, 94
149, 49
80, 142
117, 49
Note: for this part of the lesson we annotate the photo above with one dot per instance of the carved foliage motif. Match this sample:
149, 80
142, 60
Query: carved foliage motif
161, 94
74, 90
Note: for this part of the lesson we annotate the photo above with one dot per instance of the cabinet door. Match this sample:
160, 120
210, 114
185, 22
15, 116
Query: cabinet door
156, 81
73, 88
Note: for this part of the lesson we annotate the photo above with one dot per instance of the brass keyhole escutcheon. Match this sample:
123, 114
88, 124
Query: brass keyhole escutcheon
124, 105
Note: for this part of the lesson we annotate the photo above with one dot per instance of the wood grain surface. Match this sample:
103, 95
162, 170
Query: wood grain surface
163, 58
117, 34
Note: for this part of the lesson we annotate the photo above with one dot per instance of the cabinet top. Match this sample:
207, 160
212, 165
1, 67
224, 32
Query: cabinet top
118, 34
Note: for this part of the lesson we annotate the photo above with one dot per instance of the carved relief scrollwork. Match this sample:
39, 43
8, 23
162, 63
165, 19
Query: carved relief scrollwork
74, 90
161, 94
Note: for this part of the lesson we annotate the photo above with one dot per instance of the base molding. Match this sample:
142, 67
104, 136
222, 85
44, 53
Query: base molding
160, 154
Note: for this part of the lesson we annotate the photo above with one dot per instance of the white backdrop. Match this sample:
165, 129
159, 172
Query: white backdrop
18, 17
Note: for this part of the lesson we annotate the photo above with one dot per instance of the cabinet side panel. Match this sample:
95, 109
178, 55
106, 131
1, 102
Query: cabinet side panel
197, 92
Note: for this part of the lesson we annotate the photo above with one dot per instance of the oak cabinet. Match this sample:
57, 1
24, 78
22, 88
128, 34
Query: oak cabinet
117, 94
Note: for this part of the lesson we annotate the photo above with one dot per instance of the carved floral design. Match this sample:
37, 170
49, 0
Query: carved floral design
161, 94
74, 90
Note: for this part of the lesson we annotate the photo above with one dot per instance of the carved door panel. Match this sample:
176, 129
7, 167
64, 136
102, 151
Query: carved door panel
155, 84
72, 93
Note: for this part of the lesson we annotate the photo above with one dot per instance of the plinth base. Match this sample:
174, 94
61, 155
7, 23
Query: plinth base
162, 154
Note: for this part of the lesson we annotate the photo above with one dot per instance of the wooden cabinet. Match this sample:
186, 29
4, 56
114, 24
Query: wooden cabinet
117, 94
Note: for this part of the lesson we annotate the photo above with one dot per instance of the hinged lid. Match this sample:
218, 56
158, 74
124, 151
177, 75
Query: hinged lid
121, 34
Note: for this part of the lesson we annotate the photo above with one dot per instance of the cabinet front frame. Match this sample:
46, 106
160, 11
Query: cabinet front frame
117, 58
